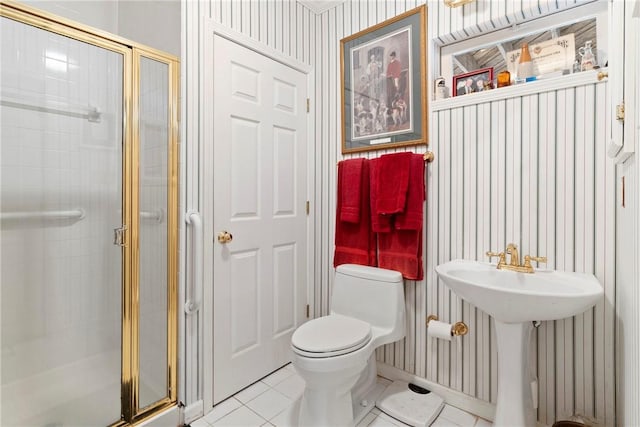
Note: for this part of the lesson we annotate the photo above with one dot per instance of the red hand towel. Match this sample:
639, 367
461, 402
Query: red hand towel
401, 250
379, 223
411, 218
392, 182
355, 242
351, 189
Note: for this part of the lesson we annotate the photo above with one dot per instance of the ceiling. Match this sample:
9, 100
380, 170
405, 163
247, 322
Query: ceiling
319, 6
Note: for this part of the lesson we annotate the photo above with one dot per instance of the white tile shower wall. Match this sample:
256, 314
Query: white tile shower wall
471, 365
60, 280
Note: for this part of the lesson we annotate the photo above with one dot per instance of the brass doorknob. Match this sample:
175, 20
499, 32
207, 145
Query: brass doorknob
602, 75
224, 237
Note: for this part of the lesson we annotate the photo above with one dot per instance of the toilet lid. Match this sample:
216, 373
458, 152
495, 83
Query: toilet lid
330, 336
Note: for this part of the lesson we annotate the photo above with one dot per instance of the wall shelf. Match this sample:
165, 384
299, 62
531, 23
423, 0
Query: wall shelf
523, 89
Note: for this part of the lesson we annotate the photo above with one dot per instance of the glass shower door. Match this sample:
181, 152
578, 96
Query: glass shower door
154, 142
61, 154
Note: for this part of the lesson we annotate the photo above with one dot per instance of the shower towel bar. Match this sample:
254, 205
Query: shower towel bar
192, 301
70, 214
92, 113
157, 215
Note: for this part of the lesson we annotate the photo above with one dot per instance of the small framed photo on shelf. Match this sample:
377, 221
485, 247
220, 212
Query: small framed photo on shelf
472, 82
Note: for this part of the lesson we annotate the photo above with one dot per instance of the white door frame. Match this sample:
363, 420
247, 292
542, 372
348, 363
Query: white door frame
210, 28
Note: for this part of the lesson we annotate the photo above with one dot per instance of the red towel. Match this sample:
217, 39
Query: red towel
411, 218
392, 182
351, 189
400, 248
355, 242
379, 223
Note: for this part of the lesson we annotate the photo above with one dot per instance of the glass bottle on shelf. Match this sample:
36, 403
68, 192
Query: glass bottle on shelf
504, 78
525, 66
576, 67
588, 60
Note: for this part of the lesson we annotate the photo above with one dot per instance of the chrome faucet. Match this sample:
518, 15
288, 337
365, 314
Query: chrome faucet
515, 265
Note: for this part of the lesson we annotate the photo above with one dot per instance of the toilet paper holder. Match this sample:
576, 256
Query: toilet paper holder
457, 329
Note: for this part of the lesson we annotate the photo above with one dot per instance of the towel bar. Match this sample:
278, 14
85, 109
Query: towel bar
429, 157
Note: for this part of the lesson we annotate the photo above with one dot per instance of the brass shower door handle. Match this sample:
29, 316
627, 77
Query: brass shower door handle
224, 237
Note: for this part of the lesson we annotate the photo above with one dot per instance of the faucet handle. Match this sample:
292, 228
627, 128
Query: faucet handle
529, 258
499, 255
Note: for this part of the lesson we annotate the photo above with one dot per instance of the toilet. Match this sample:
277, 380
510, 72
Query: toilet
334, 354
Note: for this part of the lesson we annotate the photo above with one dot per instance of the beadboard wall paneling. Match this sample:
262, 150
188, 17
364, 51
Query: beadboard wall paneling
552, 192
531, 170
280, 24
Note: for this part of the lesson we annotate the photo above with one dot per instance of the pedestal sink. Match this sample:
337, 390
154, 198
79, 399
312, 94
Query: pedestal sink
515, 300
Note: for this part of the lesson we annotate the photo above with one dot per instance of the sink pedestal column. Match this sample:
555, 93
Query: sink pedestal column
515, 406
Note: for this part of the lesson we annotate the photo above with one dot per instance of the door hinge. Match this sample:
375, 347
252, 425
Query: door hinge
308, 311
308, 105
620, 112
308, 208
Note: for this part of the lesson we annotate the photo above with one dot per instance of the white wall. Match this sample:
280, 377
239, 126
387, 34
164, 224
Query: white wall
152, 23
574, 358
532, 170
575, 367
102, 14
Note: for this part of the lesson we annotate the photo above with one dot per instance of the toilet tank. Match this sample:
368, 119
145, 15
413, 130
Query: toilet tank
371, 294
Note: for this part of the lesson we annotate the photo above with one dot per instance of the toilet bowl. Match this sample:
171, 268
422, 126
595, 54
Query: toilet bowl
334, 354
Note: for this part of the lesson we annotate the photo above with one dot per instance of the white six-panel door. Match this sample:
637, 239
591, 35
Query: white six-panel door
259, 193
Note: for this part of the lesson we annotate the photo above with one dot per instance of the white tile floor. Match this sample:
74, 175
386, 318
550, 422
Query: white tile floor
273, 401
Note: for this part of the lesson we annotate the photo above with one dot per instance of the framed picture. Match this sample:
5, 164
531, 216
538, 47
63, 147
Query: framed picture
383, 75
472, 82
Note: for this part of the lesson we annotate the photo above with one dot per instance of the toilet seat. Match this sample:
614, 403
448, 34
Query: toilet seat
330, 336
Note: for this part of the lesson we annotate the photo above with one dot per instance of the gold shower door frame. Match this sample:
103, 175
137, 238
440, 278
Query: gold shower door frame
132, 54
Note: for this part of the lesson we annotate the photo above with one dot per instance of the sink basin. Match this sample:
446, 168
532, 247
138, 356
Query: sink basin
519, 297
514, 300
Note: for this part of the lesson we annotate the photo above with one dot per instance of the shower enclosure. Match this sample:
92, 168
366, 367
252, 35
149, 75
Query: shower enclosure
88, 233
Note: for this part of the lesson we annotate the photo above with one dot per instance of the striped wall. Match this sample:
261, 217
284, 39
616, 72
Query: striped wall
531, 170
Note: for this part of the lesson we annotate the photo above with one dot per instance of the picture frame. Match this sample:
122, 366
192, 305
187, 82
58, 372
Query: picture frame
383, 84
471, 82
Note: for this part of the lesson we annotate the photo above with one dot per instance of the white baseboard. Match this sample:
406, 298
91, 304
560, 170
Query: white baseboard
462, 401
193, 411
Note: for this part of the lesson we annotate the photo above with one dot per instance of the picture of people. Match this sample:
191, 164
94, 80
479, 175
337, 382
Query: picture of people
475, 81
382, 97
383, 84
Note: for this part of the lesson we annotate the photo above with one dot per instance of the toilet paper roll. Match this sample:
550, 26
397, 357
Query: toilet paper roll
437, 329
